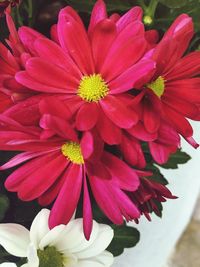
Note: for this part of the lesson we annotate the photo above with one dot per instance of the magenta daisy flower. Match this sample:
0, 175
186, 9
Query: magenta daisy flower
57, 164
92, 70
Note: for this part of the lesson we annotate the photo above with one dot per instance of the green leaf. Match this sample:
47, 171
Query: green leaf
157, 175
179, 157
124, 237
174, 3
4, 204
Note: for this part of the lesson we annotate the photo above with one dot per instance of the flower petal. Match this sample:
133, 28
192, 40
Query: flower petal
102, 241
87, 116
51, 237
39, 227
14, 238
133, 14
67, 200
118, 113
99, 13
104, 30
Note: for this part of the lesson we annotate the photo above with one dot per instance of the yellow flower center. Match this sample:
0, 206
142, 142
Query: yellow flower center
157, 86
92, 88
72, 151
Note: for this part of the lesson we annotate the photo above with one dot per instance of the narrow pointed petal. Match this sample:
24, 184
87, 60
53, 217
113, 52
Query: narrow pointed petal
87, 212
67, 200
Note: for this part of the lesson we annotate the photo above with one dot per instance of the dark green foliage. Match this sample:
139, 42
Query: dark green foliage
124, 237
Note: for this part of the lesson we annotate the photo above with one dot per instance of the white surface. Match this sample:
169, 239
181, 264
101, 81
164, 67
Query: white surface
159, 237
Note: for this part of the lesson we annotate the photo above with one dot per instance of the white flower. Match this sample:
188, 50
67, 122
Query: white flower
63, 246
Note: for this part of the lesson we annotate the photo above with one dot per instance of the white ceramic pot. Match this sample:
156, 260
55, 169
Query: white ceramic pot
159, 237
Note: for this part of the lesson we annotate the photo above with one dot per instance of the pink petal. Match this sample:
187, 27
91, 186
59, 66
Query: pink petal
87, 116
67, 26
108, 131
132, 15
87, 212
125, 176
87, 145
105, 199
139, 73
132, 152
48, 73
42, 178
127, 207
20, 158
104, 30
18, 176
130, 45
141, 133
25, 79
67, 200
59, 126
118, 113
99, 13
50, 195
159, 152
55, 54
179, 123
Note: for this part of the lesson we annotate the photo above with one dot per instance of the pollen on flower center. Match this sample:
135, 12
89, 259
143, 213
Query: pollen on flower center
72, 151
92, 88
50, 257
157, 86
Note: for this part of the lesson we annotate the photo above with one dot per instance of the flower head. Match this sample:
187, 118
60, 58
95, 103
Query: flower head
94, 77
62, 246
60, 164
172, 93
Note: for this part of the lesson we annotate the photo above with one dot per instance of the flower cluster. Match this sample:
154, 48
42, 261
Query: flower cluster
79, 107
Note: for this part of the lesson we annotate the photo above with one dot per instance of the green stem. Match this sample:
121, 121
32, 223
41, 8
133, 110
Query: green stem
151, 9
18, 16
142, 4
30, 12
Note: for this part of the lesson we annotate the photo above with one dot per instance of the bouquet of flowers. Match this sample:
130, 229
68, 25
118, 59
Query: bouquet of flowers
89, 110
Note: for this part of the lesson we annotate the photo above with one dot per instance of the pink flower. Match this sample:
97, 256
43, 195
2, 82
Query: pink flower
149, 196
13, 60
92, 71
172, 94
60, 164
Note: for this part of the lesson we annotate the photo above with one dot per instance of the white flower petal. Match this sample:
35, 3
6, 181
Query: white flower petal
14, 238
102, 241
8, 264
33, 260
70, 242
25, 265
50, 239
72, 236
106, 258
87, 263
39, 227
70, 260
